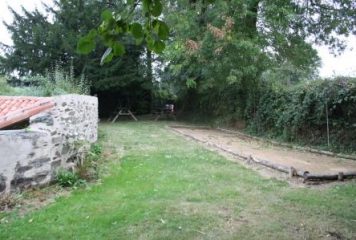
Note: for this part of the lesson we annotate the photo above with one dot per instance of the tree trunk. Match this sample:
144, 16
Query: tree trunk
251, 18
149, 73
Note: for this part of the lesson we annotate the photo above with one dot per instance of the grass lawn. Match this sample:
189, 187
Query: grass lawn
165, 187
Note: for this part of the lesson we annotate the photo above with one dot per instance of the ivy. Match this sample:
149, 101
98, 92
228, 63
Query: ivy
300, 112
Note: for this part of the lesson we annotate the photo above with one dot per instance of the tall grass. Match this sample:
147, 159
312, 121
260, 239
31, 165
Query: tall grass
54, 82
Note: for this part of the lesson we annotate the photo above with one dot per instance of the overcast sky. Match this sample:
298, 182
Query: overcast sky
341, 65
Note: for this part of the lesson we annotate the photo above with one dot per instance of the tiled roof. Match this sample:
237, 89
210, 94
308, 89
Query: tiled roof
17, 109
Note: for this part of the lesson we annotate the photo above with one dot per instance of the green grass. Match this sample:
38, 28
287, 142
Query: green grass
165, 187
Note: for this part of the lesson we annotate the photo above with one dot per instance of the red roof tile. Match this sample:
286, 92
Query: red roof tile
17, 109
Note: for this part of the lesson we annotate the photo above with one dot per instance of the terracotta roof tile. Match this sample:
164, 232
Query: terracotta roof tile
17, 109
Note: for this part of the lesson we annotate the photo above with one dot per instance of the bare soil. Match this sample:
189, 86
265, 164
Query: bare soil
303, 161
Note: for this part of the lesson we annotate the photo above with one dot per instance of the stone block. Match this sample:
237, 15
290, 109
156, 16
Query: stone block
40, 162
2, 183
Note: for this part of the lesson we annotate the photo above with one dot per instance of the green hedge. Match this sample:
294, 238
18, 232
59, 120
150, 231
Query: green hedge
300, 113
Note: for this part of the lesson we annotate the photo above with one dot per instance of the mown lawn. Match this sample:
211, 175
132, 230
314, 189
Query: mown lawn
165, 187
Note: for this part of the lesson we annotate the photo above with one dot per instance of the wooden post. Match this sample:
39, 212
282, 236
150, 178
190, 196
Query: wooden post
340, 176
292, 172
327, 123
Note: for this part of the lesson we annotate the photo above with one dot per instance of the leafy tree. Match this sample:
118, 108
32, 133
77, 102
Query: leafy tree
223, 47
223, 50
29, 54
39, 44
42, 41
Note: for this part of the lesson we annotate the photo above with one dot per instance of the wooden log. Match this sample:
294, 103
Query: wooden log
302, 173
340, 176
269, 164
329, 177
293, 172
191, 127
320, 177
349, 174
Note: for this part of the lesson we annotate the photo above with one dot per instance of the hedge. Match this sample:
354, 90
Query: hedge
304, 112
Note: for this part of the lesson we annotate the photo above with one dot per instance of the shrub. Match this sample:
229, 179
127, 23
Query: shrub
86, 171
303, 112
6, 89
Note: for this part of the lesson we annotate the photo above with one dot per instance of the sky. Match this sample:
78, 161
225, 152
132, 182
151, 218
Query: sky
345, 64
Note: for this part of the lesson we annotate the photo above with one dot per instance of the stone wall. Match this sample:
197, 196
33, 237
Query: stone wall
55, 138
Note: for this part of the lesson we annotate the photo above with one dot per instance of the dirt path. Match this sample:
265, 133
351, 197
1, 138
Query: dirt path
303, 161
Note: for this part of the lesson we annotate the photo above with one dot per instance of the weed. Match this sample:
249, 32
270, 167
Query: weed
96, 149
67, 178
89, 169
8, 201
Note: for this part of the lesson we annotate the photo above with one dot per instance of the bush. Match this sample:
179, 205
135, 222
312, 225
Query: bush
301, 112
87, 171
6, 89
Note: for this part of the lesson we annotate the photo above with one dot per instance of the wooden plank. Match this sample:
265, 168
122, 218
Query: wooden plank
116, 117
133, 116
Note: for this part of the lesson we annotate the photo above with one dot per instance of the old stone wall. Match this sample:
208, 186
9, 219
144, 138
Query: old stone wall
55, 138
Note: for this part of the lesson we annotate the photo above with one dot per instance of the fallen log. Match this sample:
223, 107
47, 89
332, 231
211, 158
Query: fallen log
191, 127
329, 177
269, 164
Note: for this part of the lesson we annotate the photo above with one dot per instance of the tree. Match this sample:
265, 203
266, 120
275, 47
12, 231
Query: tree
222, 50
40, 44
42, 41
30, 54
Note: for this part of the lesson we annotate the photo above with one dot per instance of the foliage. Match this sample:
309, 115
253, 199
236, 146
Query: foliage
66, 178
220, 56
56, 82
41, 43
89, 169
29, 53
295, 20
301, 112
44, 41
5, 88
118, 23
96, 149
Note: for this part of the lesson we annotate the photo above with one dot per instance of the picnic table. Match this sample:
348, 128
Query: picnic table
166, 111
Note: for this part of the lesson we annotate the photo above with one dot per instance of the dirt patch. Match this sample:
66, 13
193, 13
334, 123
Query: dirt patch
8, 202
303, 161
34, 199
